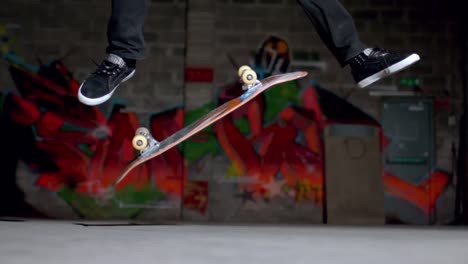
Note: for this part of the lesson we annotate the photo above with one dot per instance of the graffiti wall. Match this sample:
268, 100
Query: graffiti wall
253, 160
264, 162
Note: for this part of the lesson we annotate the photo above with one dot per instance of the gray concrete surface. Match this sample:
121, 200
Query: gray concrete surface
63, 242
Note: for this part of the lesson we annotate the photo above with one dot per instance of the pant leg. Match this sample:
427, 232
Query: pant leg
125, 29
335, 27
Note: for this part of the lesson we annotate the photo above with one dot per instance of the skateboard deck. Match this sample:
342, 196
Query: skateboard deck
152, 148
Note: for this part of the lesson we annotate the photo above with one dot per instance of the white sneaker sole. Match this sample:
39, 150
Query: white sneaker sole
95, 101
390, 70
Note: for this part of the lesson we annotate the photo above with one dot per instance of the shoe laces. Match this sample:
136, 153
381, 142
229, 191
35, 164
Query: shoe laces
106, 68
378, 51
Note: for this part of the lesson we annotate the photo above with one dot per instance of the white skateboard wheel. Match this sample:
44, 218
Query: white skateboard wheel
142, 131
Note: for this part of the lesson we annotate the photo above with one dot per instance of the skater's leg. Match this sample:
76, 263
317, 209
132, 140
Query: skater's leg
337, 30
125, 46
335, 27
125, 29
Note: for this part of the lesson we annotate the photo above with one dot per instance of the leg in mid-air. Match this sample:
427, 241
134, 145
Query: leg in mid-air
336, 28
125, 46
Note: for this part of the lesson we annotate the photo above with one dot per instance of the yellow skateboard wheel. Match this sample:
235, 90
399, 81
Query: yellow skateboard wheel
249, 77
139, 142
242, 69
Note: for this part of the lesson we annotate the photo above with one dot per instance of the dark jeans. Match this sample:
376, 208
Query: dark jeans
125, 29
333, 23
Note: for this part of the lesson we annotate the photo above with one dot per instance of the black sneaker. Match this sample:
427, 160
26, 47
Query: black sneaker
375, 64
102, 83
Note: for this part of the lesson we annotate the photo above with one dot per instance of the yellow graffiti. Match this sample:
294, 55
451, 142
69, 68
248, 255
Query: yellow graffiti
233, 171
305, 190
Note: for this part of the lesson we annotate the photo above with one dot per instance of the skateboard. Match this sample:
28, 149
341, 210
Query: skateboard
149, 147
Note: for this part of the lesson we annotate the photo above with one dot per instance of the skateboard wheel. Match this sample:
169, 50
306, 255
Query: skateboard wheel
242, 69
139, 142
142, 131
249, 77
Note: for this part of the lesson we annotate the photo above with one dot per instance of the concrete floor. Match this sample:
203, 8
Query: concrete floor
52, 242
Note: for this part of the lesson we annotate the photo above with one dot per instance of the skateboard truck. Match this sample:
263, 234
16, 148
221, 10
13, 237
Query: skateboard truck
248, 77
143, 141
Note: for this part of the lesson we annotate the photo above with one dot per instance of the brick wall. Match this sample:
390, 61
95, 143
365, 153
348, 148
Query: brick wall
220, 28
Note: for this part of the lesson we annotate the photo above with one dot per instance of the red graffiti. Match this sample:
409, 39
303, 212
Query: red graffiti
196, 196
87, 150
424, 195
272, 149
